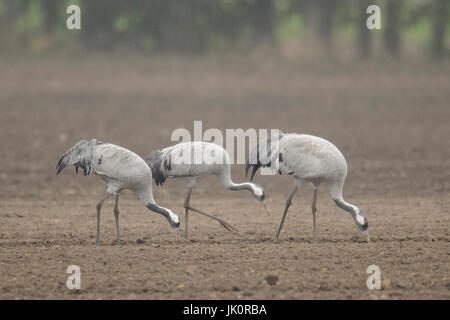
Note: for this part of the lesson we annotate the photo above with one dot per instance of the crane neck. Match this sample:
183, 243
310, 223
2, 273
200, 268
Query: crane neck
350, 208
257, 191
241, 186
356, 213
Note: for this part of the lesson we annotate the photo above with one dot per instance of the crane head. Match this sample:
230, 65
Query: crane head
173, 219
361, 221
258, 193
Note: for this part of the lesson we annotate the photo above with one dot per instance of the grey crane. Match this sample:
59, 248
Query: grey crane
121, 169
191, 161
308, 159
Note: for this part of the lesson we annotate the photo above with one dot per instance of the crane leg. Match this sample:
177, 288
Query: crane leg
99, 208
288, 203
188, 207
314, 209
116, 215
224, 224
186, 212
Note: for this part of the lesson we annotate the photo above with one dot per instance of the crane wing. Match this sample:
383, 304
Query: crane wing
187, 159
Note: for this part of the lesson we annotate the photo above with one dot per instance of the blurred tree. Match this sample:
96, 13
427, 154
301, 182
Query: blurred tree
326, 22
180, 35
393, 27
51, 15
11, 10
440, 20
97, 23
262, 18
196, 26
364, 34
150, 19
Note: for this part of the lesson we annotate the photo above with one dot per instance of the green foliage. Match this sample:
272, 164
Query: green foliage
30, 20
291, 27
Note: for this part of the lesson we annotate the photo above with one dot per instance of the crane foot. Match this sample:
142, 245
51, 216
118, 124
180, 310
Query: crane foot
227, 226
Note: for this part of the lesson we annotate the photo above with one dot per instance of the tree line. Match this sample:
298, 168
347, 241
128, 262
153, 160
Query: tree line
198, 26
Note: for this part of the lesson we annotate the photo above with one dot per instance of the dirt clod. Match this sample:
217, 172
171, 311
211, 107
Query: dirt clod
272, 280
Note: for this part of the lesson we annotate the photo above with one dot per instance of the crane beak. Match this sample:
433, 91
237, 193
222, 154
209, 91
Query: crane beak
177, 238
368, 236
267, 208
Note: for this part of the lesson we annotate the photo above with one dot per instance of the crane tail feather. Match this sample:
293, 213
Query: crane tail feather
60, 168
80, 155
247, 168
159, 178
158, 166
261, 155
255, 169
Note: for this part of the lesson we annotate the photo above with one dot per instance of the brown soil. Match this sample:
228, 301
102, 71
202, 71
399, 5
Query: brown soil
391, 123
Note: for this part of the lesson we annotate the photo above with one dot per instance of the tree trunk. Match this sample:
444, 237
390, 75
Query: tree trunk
13, 8
326, 22
51, 15
440, 18
97, 23
392, 31
181, 35
263, 20
364, 34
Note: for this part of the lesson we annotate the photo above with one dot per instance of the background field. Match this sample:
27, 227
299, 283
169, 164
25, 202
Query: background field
391, 121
